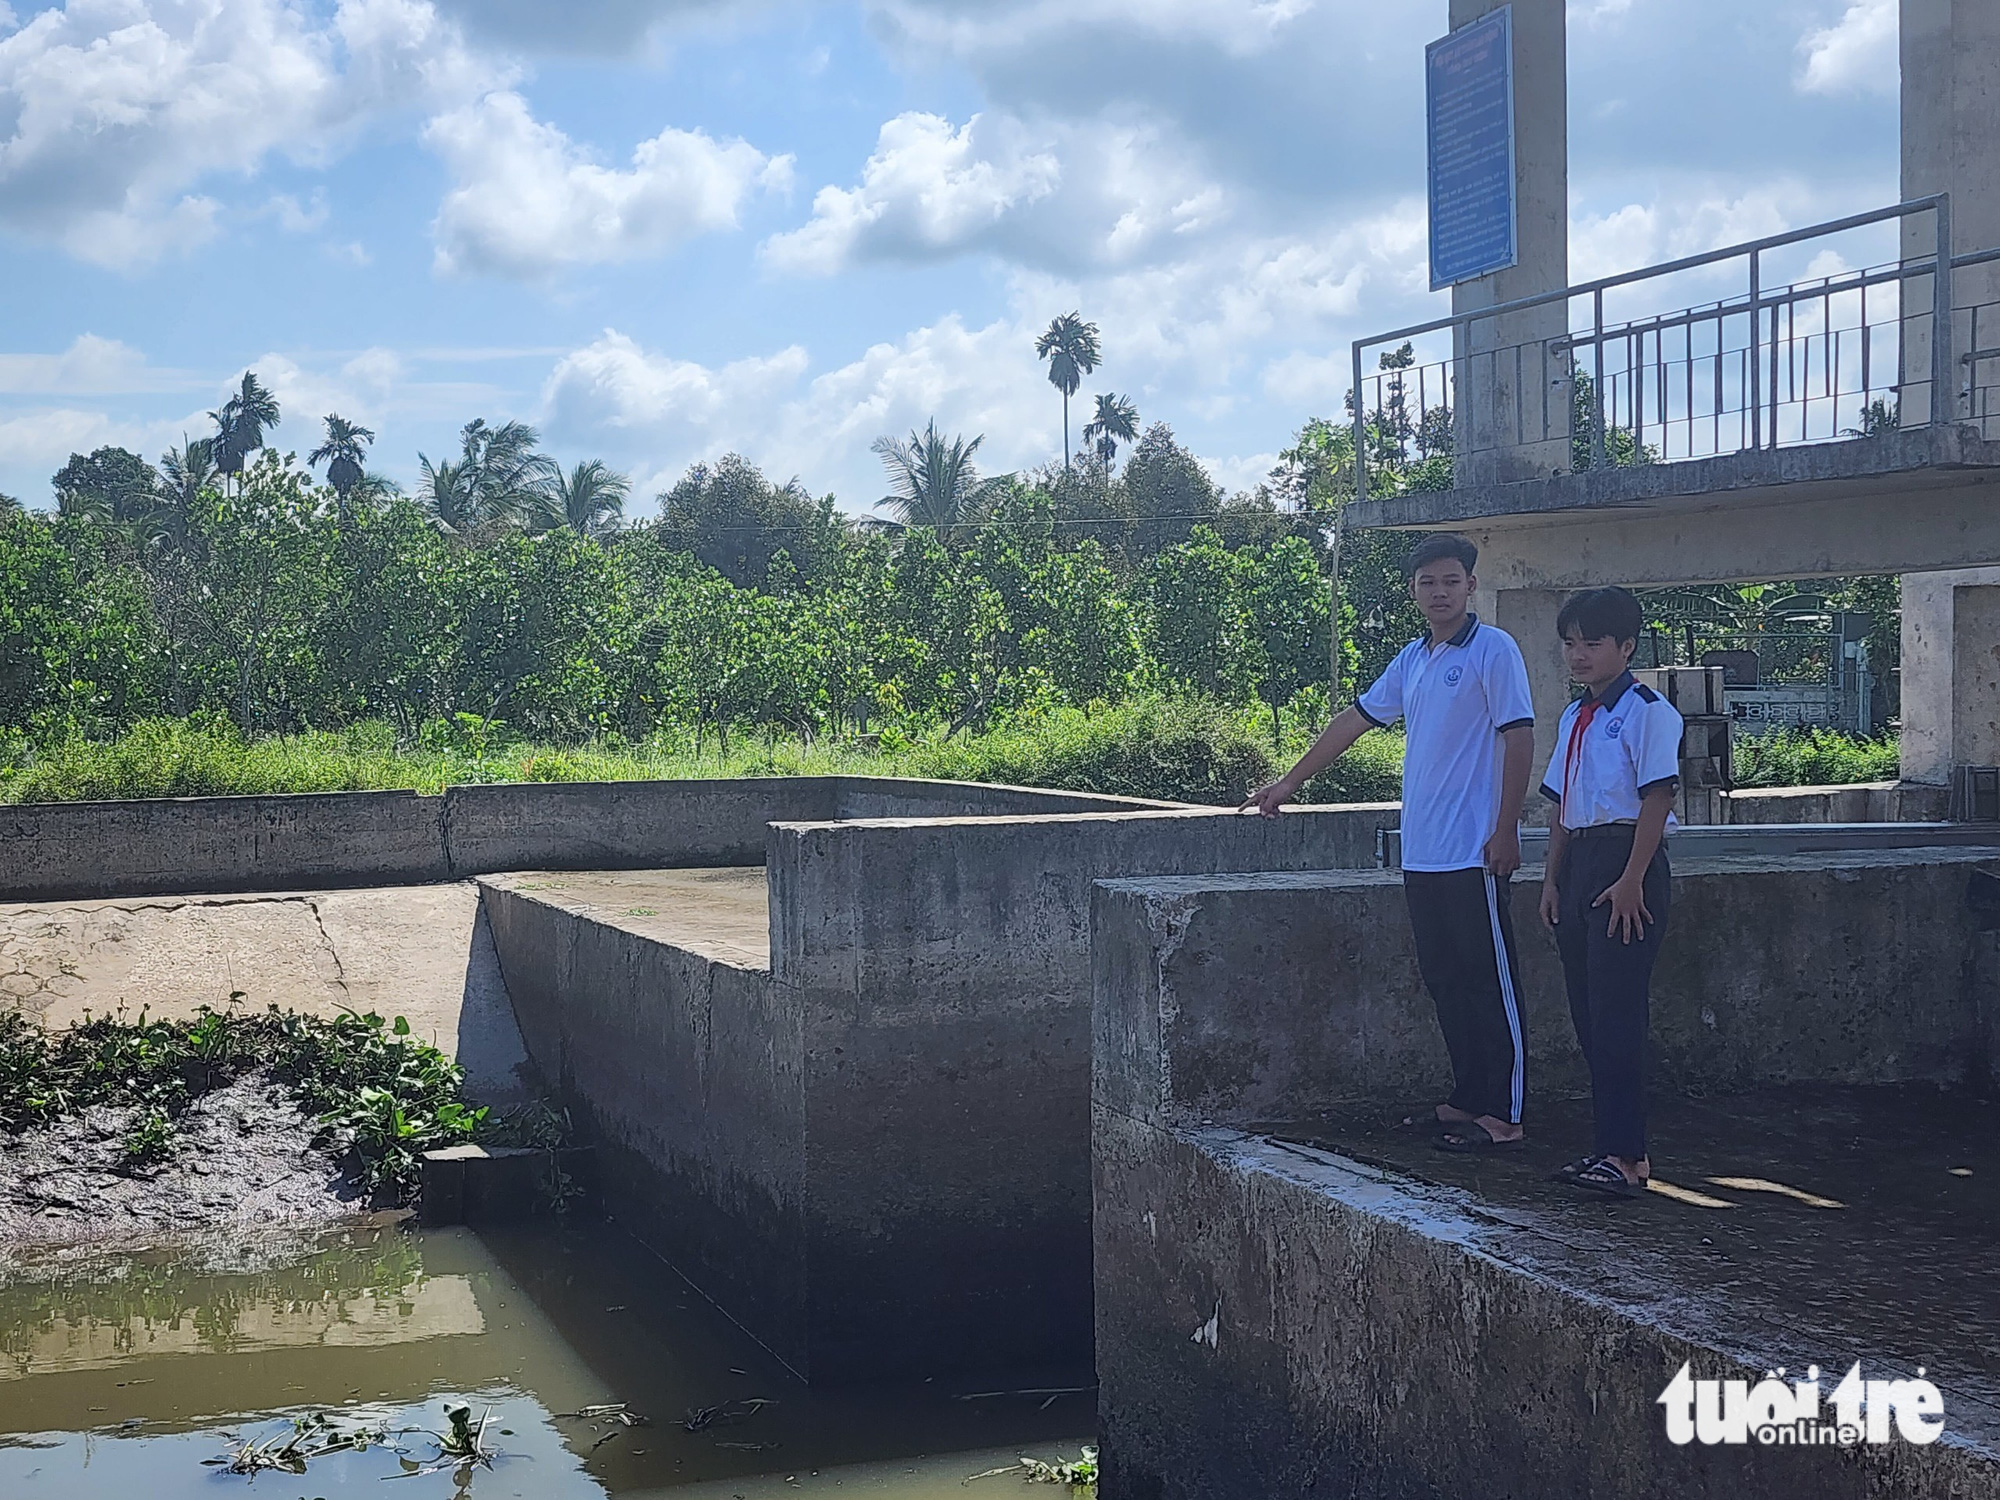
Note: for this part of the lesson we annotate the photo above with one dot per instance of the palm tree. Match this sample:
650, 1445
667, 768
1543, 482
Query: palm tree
590, 499
933, 481
1070, 346
1117, 421
185, 473
449, 495
239, 426
9, 505
343, 453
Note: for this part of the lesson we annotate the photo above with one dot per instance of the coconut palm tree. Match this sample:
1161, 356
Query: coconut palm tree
932, 480
1117, 421
1071, 347
449, 495
344, 453
239, 426
499, 479
590, 499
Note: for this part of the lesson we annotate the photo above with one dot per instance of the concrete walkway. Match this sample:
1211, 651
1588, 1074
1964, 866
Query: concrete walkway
423, 952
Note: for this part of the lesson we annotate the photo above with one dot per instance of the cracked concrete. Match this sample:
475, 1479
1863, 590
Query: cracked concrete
423, 952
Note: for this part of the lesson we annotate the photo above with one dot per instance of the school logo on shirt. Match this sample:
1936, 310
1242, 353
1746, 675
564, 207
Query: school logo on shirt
1452, 676
1615, 728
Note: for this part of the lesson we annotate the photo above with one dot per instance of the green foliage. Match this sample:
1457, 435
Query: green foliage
388, 1094
1813, 757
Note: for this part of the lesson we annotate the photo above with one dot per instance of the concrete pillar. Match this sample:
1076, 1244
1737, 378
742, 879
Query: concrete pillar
1951, 673
1512, 387
1951, 118
1529, 615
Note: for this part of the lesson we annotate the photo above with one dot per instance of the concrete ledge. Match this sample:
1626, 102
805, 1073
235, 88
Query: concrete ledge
493, 1184
1261, 997
1273, 1321
1935, 457
219, 845
1861, 802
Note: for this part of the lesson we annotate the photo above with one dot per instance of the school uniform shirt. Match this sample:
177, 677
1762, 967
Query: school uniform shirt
1628, 745
1455, 699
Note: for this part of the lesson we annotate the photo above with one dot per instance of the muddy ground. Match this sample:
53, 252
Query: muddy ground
243, 1163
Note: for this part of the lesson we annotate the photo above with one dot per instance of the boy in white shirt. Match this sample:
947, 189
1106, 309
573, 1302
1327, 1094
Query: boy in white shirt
1462, 693
1606, 887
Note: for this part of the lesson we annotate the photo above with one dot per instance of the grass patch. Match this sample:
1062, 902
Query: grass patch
1814, 757
386, 1094
1172, 749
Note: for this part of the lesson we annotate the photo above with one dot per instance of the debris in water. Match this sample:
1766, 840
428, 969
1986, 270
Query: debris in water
1079, 1471
311, 1437
616, 1411
701, 1418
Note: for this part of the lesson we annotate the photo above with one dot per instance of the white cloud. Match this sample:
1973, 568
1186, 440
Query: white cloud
112, 111
529, 201
1857, 54
42, 440
612, 388
91, 366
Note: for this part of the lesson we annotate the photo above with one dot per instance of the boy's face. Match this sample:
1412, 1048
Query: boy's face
1596, 663
1442, 589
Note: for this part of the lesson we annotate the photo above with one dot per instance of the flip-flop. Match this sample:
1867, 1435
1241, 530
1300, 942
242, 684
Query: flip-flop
1568, 1171
1603, 1176
1459, 1137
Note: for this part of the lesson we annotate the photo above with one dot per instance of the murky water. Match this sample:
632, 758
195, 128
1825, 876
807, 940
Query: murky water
118, 1379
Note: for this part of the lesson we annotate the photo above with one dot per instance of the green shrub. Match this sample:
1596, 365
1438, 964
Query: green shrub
1813, 757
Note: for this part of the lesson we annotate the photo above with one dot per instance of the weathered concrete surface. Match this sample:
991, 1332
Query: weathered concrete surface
424, 952
941, 973
1270, 996
58, 850
211, 845
1861, 802
645, 999
1286, 1320
1276, 1321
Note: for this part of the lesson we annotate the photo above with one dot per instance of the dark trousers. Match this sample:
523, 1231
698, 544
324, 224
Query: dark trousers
1464, 931
1610, 983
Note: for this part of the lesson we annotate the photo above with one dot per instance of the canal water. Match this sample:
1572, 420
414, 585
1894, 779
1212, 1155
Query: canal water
120, 1380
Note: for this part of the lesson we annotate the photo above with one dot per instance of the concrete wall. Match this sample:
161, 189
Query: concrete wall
1268, 997
1272, 1326
63, 850
1863, 802
942, 969
684, 1072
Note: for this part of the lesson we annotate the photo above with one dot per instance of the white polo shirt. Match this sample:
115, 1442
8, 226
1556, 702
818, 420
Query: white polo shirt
1454, 699
1631, 744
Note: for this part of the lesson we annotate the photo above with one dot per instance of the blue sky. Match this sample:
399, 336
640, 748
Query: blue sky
664, 229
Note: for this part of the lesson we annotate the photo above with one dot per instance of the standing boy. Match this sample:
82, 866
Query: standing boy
1462, 693
1605, 888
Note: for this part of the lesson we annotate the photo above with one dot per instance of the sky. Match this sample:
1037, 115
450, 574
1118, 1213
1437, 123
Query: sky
663, 230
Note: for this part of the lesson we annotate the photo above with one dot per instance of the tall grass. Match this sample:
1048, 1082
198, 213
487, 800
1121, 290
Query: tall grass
1175, 749
1814, 757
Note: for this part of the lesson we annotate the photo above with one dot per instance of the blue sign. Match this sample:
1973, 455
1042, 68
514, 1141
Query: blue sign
1470, 85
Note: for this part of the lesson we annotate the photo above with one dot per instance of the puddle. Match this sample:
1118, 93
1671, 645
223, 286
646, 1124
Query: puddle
119, 1377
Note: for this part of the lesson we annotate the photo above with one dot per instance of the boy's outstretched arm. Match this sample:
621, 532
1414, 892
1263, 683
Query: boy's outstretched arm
1627, 895
1335, 740
1503, 849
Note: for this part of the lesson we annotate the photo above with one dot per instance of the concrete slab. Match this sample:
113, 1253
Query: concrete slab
424, 952
721, 914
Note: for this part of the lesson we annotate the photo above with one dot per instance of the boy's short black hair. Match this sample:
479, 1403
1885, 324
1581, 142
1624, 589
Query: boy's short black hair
1602, 614
1439, 547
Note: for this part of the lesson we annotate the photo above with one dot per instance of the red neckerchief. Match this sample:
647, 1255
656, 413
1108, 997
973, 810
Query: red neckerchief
1575, 751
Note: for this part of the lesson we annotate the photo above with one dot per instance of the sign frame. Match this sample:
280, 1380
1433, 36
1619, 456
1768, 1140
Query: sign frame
1493, 30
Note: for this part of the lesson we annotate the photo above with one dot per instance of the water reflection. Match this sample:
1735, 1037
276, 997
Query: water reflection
118, 1379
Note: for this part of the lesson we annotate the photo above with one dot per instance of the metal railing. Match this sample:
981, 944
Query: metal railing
1551, 382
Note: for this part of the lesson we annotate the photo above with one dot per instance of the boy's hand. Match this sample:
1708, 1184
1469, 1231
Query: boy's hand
1503, 853
1268, 799
1628, 910
1551, 905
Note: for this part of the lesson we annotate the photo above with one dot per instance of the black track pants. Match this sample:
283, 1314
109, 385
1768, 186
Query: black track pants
1465, 951
1610, 984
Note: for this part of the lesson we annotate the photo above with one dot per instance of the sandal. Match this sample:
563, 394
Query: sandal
1603, 1176
1568, 1171
1470, 1138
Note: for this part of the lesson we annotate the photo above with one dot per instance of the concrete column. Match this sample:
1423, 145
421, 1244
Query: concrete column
1529, 615
1951, 118
1951, 673
1513, 389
